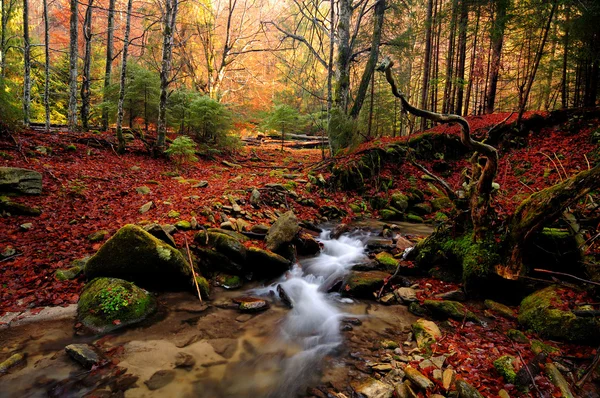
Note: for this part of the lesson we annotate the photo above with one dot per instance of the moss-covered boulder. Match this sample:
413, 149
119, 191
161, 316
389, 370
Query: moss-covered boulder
264, 264
363, 284
421, 209
282, 232
517, 336
411, 217
106, 304
540, 312
426, 334
399, 201
306, 245
386, 261
505, 367
450, 309
390, 215
17, 209
236, 235
440, 203
500, 308
223, 244
135, 255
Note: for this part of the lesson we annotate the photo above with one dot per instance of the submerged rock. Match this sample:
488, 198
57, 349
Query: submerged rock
539, 312
107, 304
251, 304
13, 360
282, 231
372, 388
135, 255
306, 245
85, 354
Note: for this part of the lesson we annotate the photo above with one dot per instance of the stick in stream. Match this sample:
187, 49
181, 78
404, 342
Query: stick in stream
569, 275
187, 249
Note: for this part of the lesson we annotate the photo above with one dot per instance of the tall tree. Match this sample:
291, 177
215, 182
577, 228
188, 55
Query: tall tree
427, 60
73, 55
462, 56
87, 62
7, 9
169, 19
120, 138
564, 82
109, 59
27, 64
46, 65
497, 40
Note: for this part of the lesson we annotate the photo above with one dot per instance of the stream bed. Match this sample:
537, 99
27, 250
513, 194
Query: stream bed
281, 352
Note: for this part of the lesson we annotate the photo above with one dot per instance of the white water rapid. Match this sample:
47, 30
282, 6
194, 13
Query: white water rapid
313, 323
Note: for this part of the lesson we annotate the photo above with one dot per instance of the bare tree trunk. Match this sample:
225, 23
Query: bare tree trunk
123, 76
109, 59
462, 55
342, 89
565, 83
450, 58
536, 63
497, 40
330, 73
7, 10
87, 62
427, 61
73, 53
547, 89
27, 64
46, 65
472, 64
371, 62
167, 51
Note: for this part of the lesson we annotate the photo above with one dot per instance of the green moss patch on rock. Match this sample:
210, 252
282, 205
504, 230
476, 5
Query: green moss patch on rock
98, 235
223, 244
517, 336
410, 217
539, 313
363, 284
135, 255
501, 309
282, 232
228, 281
386, 261
505, 367
426, 334
538, 347
107, 304
450, 309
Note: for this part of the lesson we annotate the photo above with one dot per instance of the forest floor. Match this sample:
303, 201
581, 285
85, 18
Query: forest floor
88, 188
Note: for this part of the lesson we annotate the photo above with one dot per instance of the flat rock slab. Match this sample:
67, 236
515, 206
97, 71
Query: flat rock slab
14, 179
160, 379
12, 319
85, 354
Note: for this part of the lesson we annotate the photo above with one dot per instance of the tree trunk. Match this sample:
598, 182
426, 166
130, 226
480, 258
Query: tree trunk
87, 62
109, 58
46, 65
123, 76
73, 54
472, 64
541, 208
342, 84
167, 51
330, 72
370, 66
450, 58
462, 56
427, 61
497, 40
6, 14
536, 63
27, 64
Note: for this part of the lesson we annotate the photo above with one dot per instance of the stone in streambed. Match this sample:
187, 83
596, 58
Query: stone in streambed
184, 360
13, 360
283, 231
251, 304
160, 379
85, 354
224, 244
418, 378
266, 264
372, 388
426, 333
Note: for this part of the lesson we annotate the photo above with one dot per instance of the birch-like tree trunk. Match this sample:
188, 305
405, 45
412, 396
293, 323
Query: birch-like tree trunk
342, 84
27, 64
167, 51
109, 58
87, 62
120, 138
46, 65
73, 55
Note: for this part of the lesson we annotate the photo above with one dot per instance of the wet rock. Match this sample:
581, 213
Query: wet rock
406, 295
251, 304
282, 231
306, 245
386, 261
135, 255
244, 318
98, 236
224, 244
17, 209
539, 312
193, 307
403, 244
224, 347
377, 243
266, 264
85, 354
160, 232
285, 298
501, 309
389, 344
454, 295
558, 380
418, 378
146, 207
416, 309
426, 333
388, 299
332, 212
465, 390
448, 378
363, 284
517, 336
382, 367
124, 383
450, 309
14, 179
160, 379
372, 388
106, 304
13, 360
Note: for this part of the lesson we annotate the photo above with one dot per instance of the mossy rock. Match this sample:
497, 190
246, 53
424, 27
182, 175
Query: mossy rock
135, 255
17, 209
410, 217
421, 209
378, 202
465, 390
98, 236
355, 208
501, 309
386, 261
426, 334
213, 261
539, 313
399, 200
504, 366
282, 232
441, 203
68, 273
390, 215
450, 309
204, 286
228, 281
183, 225
363, 284
107, 304
538, 347
224, 244
236, 235
517, 336
415, 195
264, 264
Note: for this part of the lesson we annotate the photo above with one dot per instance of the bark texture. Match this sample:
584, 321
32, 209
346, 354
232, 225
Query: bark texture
73, 54
120, 138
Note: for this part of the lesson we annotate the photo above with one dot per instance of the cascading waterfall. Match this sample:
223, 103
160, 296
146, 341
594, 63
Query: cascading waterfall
314, 321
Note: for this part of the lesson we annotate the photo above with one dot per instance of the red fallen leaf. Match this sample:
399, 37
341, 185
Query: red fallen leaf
116, 322
36, 311
96, 246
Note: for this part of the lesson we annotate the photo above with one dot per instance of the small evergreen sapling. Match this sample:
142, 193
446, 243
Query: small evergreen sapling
182, 150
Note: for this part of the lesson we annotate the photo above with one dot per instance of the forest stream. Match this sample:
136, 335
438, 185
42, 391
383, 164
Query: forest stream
276, 353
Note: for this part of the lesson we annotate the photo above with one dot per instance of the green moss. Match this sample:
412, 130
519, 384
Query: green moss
203, 285
499, 308
517, 336
184, 225
476, 258
106, 304
538, 312
388, 214
389, 344
98, 236
413, 218
363, 284
173, 214
450, 309
504, 366
387, 261
538, 347
228, 281
68, 274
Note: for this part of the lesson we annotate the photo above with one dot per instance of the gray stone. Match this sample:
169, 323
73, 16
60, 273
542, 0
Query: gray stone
85, 354
183, 360
259, 229
255, 198
143, 190
161, 232
405, 295
14, 179
372, 388
282, 231
145, 207
160, 379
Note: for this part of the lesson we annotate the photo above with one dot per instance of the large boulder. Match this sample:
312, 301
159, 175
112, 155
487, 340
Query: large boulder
545, 313
107, 304
135, 255
17, 209
14, 179
266, 264
282, 231
224, 244
364, 284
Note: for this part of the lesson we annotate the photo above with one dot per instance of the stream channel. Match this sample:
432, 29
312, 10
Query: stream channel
322, 340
